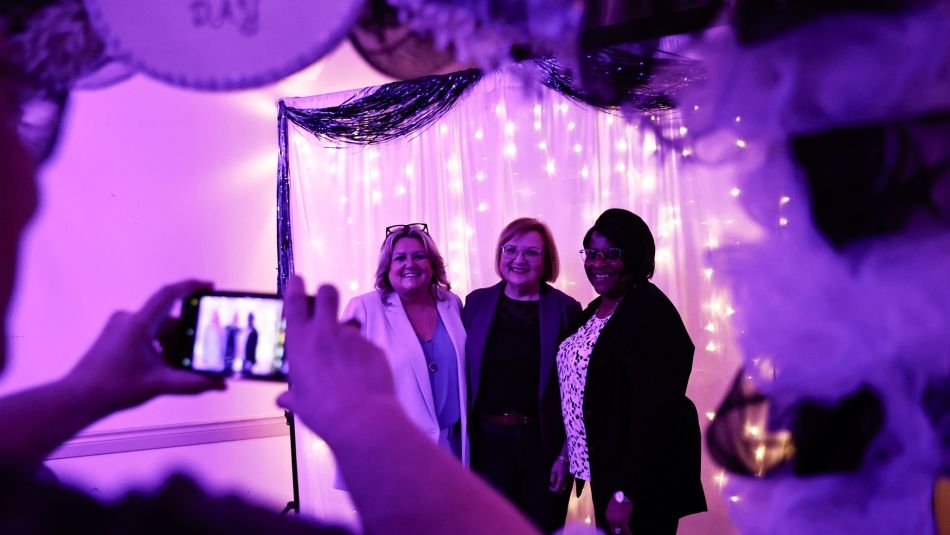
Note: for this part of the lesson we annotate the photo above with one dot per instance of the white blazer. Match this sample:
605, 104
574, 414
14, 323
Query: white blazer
383, 320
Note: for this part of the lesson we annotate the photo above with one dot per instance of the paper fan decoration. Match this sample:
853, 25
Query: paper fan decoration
222, 44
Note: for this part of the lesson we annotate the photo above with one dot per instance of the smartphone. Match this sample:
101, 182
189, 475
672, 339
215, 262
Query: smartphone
236, 335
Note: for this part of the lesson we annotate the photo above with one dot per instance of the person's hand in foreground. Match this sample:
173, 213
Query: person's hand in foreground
124, 367
400, 481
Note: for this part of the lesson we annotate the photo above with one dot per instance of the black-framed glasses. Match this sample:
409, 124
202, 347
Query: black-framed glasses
529, 253
610, 255
408, 227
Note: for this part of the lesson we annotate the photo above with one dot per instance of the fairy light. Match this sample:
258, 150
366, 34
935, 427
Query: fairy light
649, 143
480, 176
683, 130
563, 107
500, 109
443, 130
738, 118
710, 327
648, 182
585, 171
620, 167
741, 143
752, 430
344, 199
409, 170
479, 134
710, 415
549, 167
783, 200
537, 109
376, 196
353, 286
708, 273
482, 207
720, 479
509, 128
537, 125
511, 150
687, 152
734, 499
578, 148
735, 192
542, 146
760, 453
571, 126
621, 146
712, 347
453, 163
400, 191
782, 221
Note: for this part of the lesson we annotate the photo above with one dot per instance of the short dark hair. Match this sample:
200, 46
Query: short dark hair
627, 231
524, 225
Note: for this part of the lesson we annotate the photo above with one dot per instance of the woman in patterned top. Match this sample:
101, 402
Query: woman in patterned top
631, 431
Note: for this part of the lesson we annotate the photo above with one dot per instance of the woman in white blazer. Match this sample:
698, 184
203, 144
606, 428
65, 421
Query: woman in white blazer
414, 317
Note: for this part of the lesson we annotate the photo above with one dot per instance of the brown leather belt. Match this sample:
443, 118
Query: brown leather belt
510, 419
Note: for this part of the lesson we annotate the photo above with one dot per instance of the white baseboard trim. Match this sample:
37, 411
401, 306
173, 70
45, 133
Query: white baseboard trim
170, 436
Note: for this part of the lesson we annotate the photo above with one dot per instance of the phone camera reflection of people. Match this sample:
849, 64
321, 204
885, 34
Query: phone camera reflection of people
633, 435
513, 330
417, 320
250, 345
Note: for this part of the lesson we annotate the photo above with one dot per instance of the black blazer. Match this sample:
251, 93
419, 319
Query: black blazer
642, 431
558, 315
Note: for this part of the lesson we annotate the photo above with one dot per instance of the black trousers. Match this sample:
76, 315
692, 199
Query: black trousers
511, 459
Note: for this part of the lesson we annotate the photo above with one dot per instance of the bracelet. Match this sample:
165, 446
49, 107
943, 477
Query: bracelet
563, 458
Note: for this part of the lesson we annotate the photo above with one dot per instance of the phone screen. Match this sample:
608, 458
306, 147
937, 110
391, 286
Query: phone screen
235, 335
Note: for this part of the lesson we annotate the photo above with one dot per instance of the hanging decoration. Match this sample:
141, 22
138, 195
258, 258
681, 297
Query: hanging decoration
390, 112
621, 78
492, 33
222, 44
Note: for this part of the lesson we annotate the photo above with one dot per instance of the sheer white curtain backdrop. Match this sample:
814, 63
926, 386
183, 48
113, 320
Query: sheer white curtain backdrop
508, 150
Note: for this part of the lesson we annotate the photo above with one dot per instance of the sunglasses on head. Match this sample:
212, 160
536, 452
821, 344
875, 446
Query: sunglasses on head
407, 228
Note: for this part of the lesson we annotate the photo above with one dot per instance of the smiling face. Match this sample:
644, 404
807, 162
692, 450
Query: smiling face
607, 278
410, 270
525, 268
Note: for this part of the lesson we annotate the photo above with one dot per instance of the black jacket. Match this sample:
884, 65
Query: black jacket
558, 314
642, 431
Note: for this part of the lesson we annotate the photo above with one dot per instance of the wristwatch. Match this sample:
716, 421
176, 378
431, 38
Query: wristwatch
620, 497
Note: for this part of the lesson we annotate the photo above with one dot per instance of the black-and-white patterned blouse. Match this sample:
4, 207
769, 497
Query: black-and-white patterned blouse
572, 359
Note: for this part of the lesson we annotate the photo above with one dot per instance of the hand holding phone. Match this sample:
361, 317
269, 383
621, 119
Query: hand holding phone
233, 335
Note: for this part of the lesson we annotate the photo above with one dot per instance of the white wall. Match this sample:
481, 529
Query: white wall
152, 184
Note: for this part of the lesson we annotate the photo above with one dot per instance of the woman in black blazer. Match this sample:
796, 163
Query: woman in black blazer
512, 333
631, 431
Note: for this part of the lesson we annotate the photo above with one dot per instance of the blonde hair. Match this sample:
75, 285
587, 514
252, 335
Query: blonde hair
439, 277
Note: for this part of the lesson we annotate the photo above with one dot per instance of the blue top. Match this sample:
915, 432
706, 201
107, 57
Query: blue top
445, 380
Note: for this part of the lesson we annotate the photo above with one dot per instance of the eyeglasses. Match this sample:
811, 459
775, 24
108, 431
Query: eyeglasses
407, 228
609, 255
530, 253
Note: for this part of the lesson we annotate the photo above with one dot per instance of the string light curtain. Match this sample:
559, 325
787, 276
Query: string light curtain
510, 149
